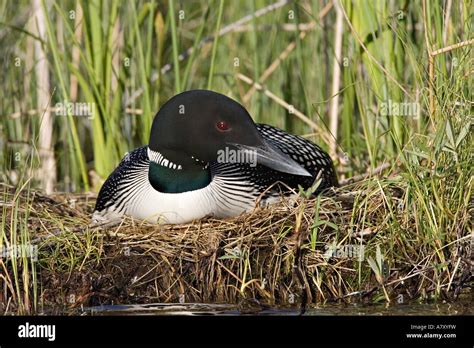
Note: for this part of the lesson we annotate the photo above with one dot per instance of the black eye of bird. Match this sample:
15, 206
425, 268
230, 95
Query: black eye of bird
222, 126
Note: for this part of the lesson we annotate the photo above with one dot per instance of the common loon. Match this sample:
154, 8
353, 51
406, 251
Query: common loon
206, 156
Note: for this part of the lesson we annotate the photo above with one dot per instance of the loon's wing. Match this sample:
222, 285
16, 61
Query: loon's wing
118, 188
242, 181
309, 155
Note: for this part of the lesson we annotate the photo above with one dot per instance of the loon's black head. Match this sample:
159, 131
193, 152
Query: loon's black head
201, 124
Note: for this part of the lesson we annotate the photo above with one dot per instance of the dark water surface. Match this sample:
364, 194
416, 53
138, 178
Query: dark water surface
464, 307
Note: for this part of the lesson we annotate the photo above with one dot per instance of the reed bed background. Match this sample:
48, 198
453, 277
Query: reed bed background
384, 86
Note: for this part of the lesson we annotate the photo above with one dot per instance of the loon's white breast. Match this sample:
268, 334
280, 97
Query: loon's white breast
140, 200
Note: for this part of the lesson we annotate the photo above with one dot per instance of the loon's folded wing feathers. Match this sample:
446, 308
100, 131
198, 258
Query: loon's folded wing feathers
117, 188
307, 154
242, 180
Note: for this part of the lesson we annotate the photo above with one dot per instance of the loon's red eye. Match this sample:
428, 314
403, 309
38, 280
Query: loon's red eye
222, 126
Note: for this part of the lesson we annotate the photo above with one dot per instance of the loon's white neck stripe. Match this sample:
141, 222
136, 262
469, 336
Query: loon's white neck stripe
158, 158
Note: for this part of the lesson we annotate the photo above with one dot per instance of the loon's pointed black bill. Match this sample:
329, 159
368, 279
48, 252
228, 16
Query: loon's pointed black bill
273, 158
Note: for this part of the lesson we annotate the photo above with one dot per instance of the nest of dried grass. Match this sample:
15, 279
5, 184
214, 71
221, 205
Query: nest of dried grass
298, 252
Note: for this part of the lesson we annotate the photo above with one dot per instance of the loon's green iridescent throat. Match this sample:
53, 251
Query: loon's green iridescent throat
167, 180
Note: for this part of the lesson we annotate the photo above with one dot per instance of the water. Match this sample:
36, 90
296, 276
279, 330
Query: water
464, 307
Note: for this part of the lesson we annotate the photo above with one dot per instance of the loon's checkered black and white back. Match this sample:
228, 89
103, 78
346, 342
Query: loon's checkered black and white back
234, 188
244, 180
304, 152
